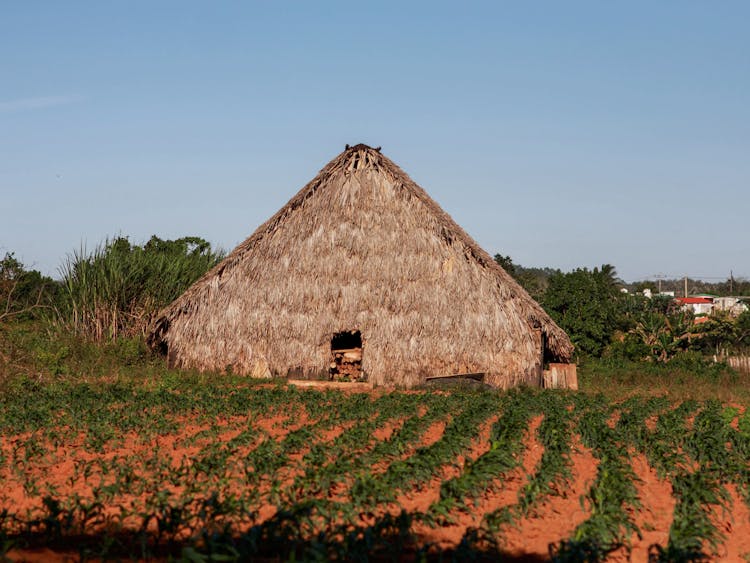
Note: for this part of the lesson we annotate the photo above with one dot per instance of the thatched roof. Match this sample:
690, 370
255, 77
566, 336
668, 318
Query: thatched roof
360, 247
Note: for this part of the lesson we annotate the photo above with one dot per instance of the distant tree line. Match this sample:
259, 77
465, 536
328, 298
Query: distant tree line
604, 321
534, 280
730, 286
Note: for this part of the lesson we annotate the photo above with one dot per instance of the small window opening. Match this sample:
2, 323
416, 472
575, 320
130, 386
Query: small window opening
346, 356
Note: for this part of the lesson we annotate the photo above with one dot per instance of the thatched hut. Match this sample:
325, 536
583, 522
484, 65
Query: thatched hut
361, 275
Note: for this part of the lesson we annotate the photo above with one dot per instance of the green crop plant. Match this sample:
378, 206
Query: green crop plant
674, 448
322, 480
612, 497
553, 471
503, 455
426, 462
692, 527
331, 463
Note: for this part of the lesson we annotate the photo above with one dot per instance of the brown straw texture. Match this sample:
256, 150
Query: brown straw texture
361, 247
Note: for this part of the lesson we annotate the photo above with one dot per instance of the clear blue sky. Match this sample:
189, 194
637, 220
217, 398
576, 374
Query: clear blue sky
563, 134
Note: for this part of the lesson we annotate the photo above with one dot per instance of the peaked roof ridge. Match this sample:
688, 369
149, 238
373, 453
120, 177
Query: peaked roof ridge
360, 147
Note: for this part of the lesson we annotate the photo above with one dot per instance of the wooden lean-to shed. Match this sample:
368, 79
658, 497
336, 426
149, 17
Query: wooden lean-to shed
362, 276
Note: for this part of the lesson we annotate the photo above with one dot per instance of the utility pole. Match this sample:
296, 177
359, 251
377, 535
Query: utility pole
659, 277
685, 286
731, 282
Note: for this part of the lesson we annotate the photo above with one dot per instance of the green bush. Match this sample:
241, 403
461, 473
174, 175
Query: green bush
24, 294
629, 347
698, 364
587, 304
116, 290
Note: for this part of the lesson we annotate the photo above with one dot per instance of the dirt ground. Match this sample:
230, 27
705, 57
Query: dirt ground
550, 522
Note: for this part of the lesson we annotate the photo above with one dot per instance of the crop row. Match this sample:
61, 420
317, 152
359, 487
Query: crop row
242, 470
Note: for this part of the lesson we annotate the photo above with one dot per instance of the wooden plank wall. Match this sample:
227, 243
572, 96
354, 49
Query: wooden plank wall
560, 376
740, 363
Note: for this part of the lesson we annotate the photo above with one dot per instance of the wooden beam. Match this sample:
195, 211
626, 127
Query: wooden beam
477, 376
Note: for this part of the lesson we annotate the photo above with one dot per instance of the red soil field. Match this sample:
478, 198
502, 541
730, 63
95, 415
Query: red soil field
62, 470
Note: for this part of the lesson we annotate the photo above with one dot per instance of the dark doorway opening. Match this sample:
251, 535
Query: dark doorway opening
346, 356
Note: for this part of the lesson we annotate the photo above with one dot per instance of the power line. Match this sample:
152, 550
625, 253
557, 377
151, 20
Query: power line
697, 277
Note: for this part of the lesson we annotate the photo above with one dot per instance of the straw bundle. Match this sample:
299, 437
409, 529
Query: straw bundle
361, 248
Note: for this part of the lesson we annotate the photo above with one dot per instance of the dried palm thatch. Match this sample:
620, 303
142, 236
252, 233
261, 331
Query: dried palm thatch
361, 248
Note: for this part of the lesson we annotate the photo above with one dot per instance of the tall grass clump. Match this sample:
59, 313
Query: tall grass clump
115, 290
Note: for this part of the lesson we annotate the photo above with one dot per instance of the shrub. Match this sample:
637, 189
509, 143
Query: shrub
627, 347
116, 290
23, 293
586, 304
